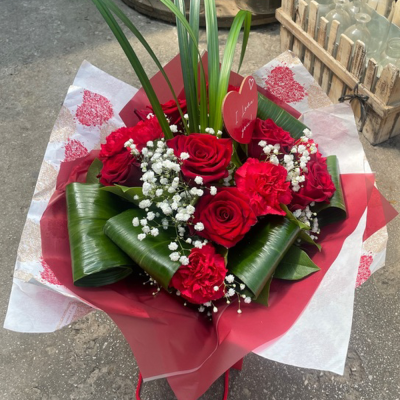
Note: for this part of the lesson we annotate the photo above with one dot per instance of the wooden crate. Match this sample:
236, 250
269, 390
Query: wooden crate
338, 70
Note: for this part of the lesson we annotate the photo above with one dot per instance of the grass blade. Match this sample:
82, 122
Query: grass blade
185, 24
213, 55
187, 69
137, 66
242, 17
120, 14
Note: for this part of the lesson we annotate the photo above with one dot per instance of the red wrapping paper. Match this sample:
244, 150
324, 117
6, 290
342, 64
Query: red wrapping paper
169, 340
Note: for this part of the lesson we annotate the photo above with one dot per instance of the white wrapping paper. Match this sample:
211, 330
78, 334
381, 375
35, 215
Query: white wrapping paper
38, 303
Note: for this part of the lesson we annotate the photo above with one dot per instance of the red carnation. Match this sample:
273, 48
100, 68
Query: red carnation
317, 187
265, 185
119, 166
226, 216
196, 280
209, 157
273, 134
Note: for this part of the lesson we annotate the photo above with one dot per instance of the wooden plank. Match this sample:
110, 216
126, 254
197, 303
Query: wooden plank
288, 7
396, 14
318, 65
359, 56
376, 104
357, 69
386, 83
377, 130
286, 36
384, 7
396, 128
312, 23
343, 57
286, 39
370, 74
298, 47
326, 76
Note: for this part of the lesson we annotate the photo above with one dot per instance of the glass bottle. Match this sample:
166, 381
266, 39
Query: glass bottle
391, 54
359, 30
354, 8
341, 15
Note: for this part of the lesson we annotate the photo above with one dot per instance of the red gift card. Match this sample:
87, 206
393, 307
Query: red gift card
239, 110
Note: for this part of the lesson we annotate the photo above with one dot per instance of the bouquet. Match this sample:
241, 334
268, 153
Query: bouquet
253, 205
205, 193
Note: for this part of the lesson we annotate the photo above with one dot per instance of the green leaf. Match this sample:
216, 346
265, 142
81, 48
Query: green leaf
127, 193
268, 109
242, 17
254, 259
291, 217
152, 253
136, 64
304, 237
335, 211
295, 265
120, 14
96, 260
94, 171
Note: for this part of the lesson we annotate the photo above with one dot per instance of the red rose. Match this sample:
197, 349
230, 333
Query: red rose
196, 280
226, 216
209, 157
170, 110
317, 187
273, 134
119, 166
265, 184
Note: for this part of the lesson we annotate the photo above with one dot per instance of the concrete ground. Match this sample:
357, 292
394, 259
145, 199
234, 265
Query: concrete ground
42, 44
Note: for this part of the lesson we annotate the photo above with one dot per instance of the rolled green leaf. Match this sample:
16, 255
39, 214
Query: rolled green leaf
254, 259
152, 253
268, 109
295, 265
125, 192
96, 260
335, 211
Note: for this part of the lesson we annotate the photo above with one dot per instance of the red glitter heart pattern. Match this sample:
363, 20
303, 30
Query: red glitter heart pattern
74, 149
364, 271
281, 83
95, 109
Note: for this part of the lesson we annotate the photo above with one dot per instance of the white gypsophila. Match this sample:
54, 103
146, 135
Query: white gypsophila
184, 260
184, 155
174, 128
154, 232
150, 144
307, 133
173, 246
141, 236
231, 292
242, 286
274, 159
247, 300
198, 180
199, 226
216, 288
262, 143
150, 216
146, 229
174, 256
188, 240
213, 190
143, 222
230, 278
198, 244
135, 221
